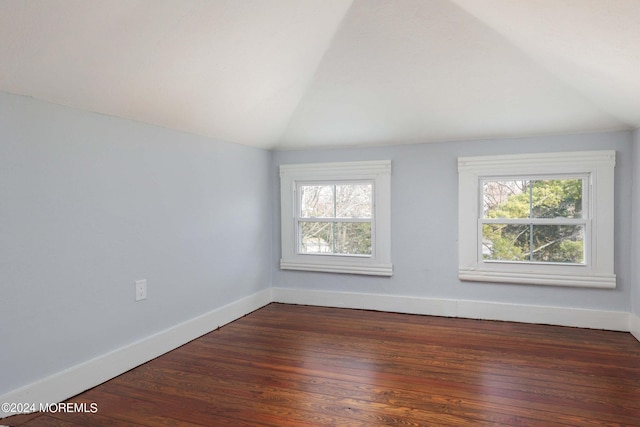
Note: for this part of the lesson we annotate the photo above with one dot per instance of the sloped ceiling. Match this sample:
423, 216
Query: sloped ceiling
291, 74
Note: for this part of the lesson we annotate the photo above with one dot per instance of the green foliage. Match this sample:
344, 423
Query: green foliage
557, 198
508, 242
570, 251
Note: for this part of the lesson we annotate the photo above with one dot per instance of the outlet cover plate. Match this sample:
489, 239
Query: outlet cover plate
141, 289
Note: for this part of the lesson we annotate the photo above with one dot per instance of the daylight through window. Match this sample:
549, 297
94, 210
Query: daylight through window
534, 220
539, 218
336, 217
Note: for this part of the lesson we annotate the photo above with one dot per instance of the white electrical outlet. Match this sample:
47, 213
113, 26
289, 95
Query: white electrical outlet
141, 289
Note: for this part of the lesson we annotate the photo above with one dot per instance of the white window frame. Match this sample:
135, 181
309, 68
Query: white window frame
584, 220
377, 172
598, 169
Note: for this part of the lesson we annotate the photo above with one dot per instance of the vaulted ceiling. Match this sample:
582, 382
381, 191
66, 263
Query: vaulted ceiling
288, 74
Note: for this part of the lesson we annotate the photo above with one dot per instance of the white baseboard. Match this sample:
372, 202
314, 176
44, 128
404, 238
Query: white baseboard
68, 383
562, 316
634, 325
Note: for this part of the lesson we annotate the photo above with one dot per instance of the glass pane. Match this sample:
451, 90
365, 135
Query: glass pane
558, 243
316, 201
505, 242
316, 237
544, 198
556, 198
505, 199
353, 238
353, 200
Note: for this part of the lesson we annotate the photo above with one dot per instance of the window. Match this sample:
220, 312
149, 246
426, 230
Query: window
534, 219
537, 219
336, 217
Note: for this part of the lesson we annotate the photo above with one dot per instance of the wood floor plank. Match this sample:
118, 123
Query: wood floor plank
288, 365
500, 376
320, 399
496, 395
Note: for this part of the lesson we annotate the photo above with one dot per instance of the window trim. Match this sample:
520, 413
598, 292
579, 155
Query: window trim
379, 173
598, 270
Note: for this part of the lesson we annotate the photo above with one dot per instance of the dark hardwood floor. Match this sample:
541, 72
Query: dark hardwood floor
288, 365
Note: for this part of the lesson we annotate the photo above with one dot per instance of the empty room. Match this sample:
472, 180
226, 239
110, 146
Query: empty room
320, 212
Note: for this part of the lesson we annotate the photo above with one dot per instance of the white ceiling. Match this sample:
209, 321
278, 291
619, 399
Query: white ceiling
288, 74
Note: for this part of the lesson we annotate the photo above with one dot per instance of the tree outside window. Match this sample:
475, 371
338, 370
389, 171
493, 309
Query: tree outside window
533, 220
336, 218
537, 218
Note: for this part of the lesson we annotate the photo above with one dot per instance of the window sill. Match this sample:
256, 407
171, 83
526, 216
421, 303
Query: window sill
341, 267
606, 281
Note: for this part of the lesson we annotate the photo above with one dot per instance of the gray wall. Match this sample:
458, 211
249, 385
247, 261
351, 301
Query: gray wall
89, 204
424, 224
635, 262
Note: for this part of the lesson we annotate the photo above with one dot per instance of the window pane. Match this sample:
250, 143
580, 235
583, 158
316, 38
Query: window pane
556, 198
335, 238
316, 237
316, 201
549, 243
505, 199
545, 198
353, 201
558, 243
353, 238
505, 242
